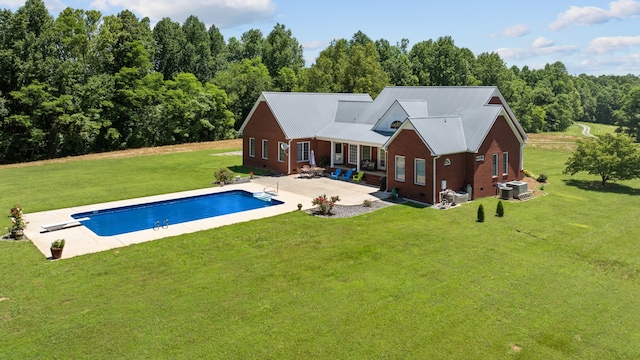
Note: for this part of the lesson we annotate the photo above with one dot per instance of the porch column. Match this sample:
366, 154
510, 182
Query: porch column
358, 158
333, 153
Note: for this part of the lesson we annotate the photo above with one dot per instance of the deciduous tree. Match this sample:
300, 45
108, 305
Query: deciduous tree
612, 157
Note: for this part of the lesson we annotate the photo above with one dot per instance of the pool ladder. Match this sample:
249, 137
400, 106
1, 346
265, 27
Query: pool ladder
271, 185
157, 225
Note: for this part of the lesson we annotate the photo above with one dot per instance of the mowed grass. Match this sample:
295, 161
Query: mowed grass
557, 277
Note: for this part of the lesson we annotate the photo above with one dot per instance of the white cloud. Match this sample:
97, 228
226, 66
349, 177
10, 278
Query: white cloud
527, 53
621, 64
313, 45
589, 15
513, 31
11, 3
542, 42
605, 44
222, 13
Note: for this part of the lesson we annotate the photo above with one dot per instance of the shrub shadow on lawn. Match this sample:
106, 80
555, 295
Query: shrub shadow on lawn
609, 188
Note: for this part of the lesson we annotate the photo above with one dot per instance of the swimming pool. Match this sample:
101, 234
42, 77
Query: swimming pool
162, 214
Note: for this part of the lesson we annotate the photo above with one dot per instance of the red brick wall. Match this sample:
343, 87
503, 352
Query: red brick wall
323, 150
409, 145
499, 140
455, 173
463, 168
263, 125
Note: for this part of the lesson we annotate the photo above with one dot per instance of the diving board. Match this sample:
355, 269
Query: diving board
61, 225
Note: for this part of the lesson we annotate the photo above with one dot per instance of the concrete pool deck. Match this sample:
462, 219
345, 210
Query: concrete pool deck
291, 190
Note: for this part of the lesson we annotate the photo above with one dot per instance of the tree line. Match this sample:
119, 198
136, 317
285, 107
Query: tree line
84, 82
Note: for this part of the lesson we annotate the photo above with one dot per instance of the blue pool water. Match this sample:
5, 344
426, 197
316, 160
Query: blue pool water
156, 215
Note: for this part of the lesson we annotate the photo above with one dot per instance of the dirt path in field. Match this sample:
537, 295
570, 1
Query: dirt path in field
586, 130
211, 145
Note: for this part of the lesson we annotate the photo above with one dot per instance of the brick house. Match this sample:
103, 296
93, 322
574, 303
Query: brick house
418, 140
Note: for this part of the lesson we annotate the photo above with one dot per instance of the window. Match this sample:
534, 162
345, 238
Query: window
281, 153
396, 124
494, 165
302, 151
252, 147
366, 153
382, 158
353, 154
265, 149
420, 171
399, 168
447, 162
480, 158
505, 163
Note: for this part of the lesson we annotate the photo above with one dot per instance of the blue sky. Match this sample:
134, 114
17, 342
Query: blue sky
589, 36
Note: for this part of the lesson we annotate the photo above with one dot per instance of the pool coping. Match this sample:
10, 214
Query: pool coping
80, 240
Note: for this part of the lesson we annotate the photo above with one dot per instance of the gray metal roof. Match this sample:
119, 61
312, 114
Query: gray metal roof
443, 135
415, 108
467, 102
351, 111
352, 132
352, 117
303, 115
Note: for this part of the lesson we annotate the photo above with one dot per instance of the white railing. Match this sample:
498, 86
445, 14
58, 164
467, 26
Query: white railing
268, 186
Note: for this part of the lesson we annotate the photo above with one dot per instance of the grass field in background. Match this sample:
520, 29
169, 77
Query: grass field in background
557, 277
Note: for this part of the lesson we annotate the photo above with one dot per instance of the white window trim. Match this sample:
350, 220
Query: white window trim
281, 152
353, 154
404, 175
382, 159
494, 165
505, 165
305, 155
265, 149
252, 147
415, 171
480, 158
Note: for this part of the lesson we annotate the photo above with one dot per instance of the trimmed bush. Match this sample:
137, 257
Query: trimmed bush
542, 178
223, 175
480, 213
500, 209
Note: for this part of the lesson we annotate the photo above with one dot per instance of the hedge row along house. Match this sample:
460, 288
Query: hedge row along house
418, 140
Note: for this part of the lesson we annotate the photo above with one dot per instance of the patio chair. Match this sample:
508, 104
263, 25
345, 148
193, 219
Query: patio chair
348, 175
336, 174
358, 177
303, 173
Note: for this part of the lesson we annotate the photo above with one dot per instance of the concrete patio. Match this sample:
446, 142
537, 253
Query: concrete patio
292, 190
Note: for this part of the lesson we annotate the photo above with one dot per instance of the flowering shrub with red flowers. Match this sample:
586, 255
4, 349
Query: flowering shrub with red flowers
18, 224
16, 211
325, 205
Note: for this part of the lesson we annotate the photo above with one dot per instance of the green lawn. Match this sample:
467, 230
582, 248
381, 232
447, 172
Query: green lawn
557, 277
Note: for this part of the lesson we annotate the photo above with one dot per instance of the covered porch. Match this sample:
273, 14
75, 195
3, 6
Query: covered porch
369, 158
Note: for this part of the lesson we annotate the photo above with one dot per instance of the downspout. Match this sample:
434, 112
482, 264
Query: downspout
521, 157
289, 158
434, 178
386, 169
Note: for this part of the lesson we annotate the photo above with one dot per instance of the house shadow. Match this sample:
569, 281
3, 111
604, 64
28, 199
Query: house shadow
238, 169
612, 188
